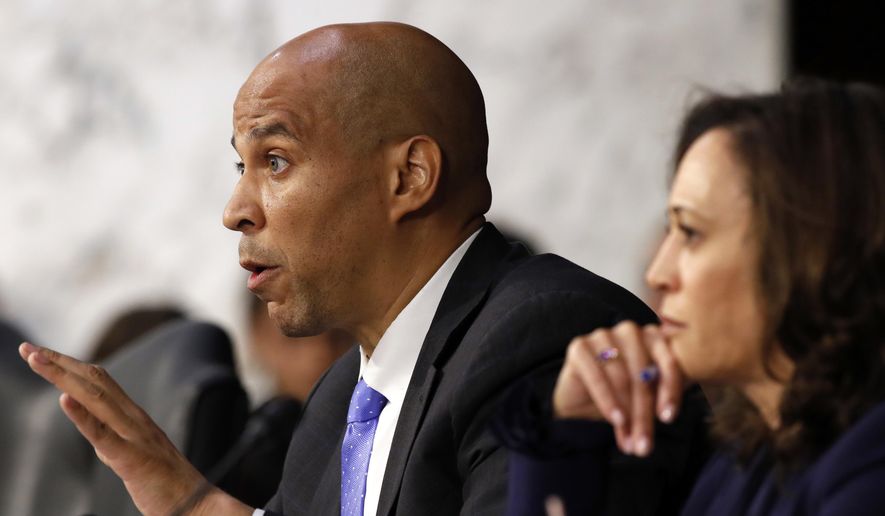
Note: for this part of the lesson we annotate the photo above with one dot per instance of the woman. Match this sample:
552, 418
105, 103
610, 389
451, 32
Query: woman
772, 278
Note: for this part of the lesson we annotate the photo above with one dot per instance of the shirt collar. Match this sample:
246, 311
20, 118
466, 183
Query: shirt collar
389, 370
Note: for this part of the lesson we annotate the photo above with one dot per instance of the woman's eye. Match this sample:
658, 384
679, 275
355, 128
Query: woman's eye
690, 234
277, 164
240, 167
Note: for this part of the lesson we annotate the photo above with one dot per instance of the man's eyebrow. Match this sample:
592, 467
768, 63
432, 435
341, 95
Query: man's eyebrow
263, 131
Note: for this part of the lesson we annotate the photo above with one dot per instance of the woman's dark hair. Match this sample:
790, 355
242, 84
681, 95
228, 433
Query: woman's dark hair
815, 157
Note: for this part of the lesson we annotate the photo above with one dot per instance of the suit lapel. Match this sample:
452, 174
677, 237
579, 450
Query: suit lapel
462, 298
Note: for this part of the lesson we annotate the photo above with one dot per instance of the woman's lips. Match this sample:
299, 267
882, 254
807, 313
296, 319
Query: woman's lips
670, 327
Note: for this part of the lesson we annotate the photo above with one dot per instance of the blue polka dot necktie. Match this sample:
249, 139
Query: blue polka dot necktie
362, 419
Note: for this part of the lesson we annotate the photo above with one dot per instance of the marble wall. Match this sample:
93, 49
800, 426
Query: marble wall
115, 121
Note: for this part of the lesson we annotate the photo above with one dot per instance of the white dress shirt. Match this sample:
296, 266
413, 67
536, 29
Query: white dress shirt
390, 367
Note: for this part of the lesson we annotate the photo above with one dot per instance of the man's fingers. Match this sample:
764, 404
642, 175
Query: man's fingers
105, 441
83, 369
92, 393
630, 341
92, 373
670, 384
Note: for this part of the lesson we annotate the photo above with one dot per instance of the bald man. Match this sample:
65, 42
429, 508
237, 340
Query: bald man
361, 206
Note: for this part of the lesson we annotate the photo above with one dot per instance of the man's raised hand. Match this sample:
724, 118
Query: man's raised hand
156, 475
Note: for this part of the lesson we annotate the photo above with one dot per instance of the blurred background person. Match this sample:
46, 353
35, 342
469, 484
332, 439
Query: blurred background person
130, 325
294, 364
772, 286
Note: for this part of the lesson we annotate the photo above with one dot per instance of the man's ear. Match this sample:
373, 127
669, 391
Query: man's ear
418, 170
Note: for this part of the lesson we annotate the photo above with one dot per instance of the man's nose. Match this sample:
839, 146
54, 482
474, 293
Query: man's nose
243, 211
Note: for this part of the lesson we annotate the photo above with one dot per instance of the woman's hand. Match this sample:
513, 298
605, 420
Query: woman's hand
625, 375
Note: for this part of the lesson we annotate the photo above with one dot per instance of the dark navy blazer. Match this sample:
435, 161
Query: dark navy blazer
847, 480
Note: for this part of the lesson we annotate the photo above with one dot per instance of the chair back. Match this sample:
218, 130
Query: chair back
182, 374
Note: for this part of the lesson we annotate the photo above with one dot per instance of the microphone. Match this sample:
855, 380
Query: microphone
264, 422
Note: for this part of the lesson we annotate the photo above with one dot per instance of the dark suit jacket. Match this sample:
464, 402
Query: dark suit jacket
504, 315
577, 461
847, 479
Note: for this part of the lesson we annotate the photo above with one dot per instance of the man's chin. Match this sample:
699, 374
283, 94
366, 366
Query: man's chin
298, 333
291, 324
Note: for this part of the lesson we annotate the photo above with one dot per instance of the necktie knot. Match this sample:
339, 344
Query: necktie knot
365, 403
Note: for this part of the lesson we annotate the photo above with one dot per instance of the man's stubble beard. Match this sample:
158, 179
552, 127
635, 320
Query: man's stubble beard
304, 315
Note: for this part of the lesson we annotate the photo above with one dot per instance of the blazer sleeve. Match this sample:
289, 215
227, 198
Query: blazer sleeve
528, 338
568, 459
510, 339
577, 459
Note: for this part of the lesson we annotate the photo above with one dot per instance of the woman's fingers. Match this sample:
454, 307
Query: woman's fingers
670, 384
591, 394
625, 375
630, 339
554, 506
608, 359
594, 384
582, 389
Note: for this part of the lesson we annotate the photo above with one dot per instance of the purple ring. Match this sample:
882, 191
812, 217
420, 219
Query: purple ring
608, 354
649, 374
